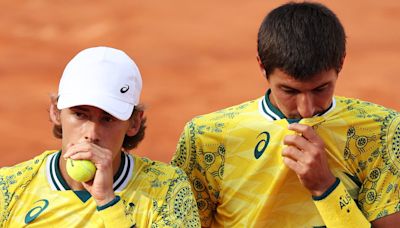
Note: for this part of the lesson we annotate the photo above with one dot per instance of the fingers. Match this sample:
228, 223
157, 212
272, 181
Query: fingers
293, 165
101, 187
296, 141
292, 153
71, 149
299, 157
305, 147
305, 154
292, 157
303, 158
305, 131
89, 151
305, 139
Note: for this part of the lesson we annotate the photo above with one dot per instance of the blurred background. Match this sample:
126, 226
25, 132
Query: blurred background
195, 57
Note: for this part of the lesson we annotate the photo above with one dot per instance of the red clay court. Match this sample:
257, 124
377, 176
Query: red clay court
195, 57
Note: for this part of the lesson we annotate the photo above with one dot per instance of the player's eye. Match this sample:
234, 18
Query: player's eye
108, 119
290, 91
79, 115
320, 89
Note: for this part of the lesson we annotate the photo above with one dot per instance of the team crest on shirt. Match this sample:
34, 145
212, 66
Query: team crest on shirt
33, 213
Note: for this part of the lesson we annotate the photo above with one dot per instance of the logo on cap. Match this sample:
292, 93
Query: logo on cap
124, 89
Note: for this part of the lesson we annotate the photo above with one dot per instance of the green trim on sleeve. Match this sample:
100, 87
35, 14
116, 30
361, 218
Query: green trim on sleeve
327, 192
109, 204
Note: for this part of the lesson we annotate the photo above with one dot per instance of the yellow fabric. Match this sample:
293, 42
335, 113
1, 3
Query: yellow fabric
233, 188
112, 218
158, 195
339, 210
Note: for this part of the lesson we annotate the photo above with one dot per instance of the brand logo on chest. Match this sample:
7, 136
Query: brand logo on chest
36, 211
262, 145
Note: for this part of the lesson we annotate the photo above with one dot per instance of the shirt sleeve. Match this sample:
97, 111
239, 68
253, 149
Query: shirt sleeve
380, 191
13, 182
203, 167
114, 215
179, 208
3, 190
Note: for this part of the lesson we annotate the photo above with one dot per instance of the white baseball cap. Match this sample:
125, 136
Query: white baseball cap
102, 77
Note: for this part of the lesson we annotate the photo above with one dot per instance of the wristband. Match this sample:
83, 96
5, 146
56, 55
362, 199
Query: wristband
338, 209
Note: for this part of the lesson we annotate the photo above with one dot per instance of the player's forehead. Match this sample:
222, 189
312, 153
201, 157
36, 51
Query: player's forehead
89, 109
282, 79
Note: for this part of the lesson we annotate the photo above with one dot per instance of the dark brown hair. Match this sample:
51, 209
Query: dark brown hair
301, 39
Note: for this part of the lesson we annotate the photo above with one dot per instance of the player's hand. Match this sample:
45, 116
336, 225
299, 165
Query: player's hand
101, 187
305, 155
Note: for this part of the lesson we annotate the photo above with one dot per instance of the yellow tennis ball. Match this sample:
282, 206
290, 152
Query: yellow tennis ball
81, 170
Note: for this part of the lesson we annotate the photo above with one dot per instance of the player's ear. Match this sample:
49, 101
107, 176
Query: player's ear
135, 122
54, 112
342, 62
260, 64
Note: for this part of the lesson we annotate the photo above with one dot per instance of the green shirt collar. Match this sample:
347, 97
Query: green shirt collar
274, 113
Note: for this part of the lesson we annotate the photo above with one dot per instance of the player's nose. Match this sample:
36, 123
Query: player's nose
305, 106
91, 132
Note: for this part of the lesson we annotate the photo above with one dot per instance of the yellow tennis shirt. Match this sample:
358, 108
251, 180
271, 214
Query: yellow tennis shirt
152, 194
233, 160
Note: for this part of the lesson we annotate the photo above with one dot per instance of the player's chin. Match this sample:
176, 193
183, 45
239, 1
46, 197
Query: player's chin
295, 116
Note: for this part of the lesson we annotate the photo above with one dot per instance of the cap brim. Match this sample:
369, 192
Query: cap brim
119, 109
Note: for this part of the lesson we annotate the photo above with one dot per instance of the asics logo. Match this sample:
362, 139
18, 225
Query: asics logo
262, 144
124, 89
36, 211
